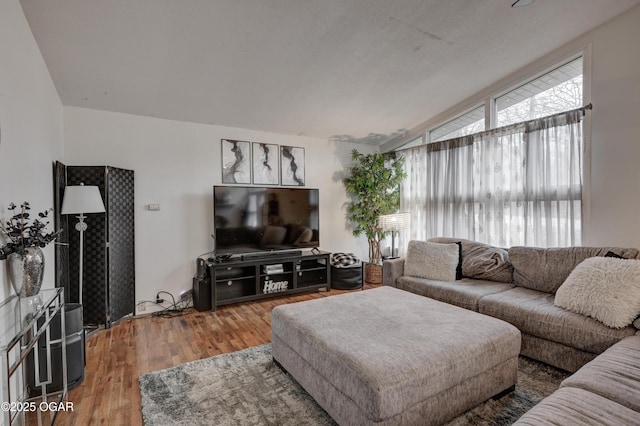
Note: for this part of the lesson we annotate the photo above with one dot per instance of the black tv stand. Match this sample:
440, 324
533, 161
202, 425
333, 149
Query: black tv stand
267, 274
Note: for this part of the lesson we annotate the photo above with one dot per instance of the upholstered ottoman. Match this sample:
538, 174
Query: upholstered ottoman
388, 357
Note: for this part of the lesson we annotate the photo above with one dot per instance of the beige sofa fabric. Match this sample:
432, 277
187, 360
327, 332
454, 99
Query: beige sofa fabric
614, 374
554, 353
465, 293
375, 349
545, 269
482, 261
534, 313
431, 260
606, 388
577, 407
606, 391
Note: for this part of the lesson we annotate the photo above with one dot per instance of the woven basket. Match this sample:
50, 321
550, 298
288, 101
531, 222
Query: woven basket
372, 273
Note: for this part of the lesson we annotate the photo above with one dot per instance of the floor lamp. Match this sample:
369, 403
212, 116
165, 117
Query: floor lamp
395, 223
81, 199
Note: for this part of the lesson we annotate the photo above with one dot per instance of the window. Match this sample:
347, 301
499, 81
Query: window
557, 91
467, 124
414, 142
519, 183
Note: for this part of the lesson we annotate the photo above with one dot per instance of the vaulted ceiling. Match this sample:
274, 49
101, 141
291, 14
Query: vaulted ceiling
359, 70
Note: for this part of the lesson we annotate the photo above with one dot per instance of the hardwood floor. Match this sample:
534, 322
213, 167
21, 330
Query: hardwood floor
116, 357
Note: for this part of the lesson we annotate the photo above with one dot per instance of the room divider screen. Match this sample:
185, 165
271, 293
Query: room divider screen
109, 244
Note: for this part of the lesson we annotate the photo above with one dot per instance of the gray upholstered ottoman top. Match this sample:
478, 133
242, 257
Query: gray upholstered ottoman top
388, 349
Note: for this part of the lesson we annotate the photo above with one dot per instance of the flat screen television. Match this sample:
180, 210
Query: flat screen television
250, 219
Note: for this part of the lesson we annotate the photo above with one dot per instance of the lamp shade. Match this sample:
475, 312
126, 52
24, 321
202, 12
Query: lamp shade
394, 222
82, 199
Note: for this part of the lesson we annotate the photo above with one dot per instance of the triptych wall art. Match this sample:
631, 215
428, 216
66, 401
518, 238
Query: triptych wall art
260, 163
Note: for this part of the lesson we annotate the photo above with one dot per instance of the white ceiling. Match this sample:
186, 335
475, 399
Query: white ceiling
359, 70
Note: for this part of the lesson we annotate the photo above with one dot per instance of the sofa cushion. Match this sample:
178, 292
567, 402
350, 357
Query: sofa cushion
464, 293
614, 374
604, 288
545, 269
573, 406
554, 353
534, 313
482, 261
431, 260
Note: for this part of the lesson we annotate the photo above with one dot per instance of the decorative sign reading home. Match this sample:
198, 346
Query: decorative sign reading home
271, 286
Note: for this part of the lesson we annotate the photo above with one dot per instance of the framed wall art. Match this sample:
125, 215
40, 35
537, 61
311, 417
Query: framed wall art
236, 161
266, 167
292, 165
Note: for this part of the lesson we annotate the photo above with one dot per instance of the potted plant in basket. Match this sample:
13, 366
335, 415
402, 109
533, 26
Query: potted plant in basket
373, 182
23, 240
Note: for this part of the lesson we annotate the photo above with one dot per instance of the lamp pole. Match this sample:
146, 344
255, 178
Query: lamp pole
81, 226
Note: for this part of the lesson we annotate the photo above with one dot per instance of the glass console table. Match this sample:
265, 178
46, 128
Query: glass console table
23, 323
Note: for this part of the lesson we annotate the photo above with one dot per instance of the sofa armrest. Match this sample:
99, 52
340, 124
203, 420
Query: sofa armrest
392, 269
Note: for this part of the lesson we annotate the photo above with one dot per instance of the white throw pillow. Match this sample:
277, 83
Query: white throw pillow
431, 260
604, 288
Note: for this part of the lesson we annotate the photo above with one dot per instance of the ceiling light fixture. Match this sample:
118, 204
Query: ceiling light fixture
522, 3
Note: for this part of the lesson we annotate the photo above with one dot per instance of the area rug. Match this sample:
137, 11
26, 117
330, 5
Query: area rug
247, 388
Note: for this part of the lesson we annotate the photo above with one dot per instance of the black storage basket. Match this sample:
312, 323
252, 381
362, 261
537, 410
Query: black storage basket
349, 278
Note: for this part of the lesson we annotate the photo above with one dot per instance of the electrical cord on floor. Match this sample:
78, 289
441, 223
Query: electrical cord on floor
176, 308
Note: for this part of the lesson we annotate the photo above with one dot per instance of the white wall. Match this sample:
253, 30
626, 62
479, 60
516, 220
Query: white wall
615, 158
31, 136
176, 165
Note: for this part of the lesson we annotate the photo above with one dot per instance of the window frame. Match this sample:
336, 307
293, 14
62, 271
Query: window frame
555, 59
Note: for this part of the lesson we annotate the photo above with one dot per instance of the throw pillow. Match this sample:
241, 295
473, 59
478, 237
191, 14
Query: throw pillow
482, 261
432, 260
604, 288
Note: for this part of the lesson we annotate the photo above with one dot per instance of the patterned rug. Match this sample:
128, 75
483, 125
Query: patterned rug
246, 388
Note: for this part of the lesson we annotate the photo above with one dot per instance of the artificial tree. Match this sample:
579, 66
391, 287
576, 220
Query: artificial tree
373, 182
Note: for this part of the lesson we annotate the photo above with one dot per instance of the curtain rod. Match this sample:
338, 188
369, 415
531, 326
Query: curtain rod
582, 109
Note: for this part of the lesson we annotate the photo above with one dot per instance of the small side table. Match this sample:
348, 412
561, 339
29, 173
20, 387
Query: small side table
23, 321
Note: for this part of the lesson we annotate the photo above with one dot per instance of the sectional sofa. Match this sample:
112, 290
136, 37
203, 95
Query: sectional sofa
518, 285
606, 391
524, 286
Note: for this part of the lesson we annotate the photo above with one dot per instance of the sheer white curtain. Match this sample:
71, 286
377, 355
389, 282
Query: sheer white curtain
440, 181
516, 185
